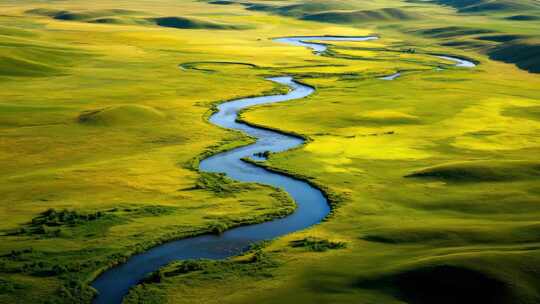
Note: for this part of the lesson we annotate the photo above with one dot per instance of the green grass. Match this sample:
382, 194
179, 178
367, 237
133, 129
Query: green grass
433, 175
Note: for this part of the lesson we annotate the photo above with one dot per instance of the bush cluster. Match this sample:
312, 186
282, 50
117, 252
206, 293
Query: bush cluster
318, 245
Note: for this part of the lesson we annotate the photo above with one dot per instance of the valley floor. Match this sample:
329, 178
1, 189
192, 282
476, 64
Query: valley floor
434, 176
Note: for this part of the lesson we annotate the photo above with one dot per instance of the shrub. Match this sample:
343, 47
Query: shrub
318, 245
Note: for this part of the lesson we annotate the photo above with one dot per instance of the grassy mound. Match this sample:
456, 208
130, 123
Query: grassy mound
192, 23
532, 113
121, 115
15, 66
524, 54
79, 15
473, 6
385, 14
481, 171
301, 9
128, 17
452, 31
27, 58
386, 118
455, 235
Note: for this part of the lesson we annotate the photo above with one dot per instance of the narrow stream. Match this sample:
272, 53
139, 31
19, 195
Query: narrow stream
459, 62
391, 77
312, 206
319, 48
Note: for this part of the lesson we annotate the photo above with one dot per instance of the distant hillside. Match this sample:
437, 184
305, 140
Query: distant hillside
119, 16
80, 15
301, 9
385, 14
329, 11
521, 50
471, 6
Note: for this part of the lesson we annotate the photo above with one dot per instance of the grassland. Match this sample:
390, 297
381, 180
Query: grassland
103, 114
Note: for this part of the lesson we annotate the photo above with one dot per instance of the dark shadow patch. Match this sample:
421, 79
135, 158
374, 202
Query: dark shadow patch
501, 38
523, 18
222, 2
524, 54
443, 284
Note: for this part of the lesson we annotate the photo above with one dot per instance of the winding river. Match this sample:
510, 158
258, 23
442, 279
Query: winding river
312, 205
